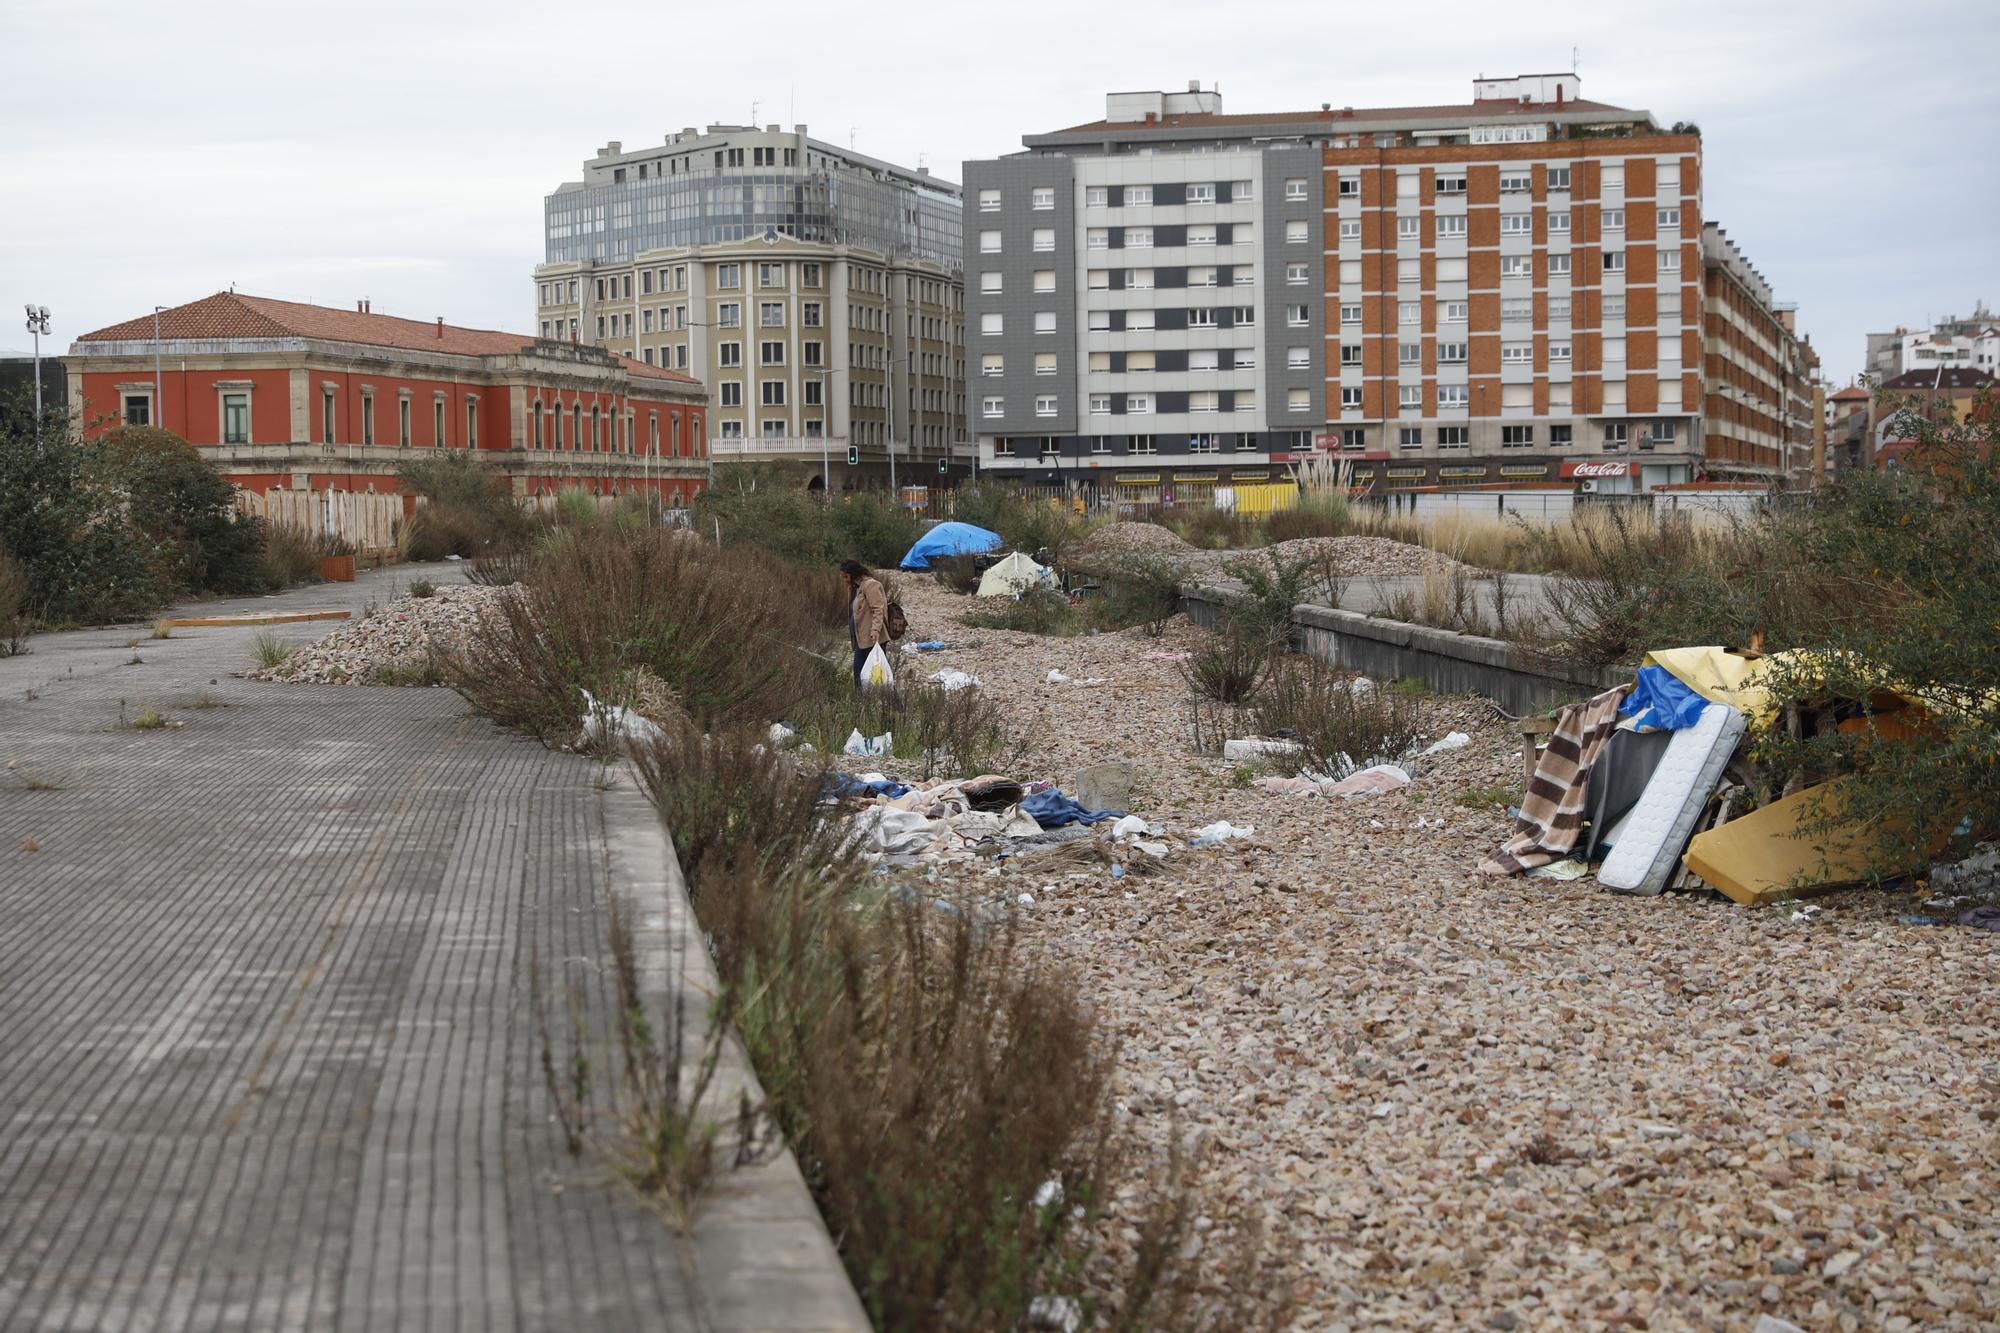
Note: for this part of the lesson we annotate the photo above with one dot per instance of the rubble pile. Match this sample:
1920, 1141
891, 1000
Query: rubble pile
1132, 539
383, 643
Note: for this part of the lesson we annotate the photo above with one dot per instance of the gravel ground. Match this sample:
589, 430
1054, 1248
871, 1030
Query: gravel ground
396, 637
1354, 556
1468, 1103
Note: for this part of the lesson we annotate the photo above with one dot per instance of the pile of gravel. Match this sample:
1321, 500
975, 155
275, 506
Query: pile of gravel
1116, 539
395, 640
1354, 557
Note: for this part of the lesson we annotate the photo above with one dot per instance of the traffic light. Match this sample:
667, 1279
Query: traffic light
944, 465
853, 455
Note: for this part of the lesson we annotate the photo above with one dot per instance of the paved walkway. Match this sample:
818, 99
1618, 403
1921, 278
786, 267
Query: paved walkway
270, 1057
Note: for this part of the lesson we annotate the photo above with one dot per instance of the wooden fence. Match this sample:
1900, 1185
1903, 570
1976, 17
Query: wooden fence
366, 520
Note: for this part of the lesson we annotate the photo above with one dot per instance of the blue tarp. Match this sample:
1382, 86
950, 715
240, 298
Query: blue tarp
1660, 699
950, 539
1052, 809
846, 784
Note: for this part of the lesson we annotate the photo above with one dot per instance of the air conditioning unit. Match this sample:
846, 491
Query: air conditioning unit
1586, 487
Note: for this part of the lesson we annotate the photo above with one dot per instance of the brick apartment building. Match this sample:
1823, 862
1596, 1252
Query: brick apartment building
281, 395
1501, 291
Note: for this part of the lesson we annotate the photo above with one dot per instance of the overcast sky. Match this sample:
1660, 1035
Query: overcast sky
152, 153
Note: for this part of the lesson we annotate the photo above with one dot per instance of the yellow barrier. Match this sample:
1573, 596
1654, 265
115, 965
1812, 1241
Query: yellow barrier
1269, 498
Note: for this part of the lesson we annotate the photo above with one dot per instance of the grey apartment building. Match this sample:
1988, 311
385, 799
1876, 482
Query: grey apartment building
1145, 310
815, 290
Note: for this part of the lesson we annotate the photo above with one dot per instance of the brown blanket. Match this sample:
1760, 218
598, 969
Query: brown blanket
1552, 811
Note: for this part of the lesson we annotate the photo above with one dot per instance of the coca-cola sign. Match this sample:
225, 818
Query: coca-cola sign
1614, 467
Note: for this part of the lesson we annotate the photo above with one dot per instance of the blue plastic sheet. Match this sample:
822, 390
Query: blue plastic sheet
950, 539
839, 785
1052, 809
1659, 699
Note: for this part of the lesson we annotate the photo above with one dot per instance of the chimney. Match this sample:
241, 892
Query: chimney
360, 307
440, 327
1559, 93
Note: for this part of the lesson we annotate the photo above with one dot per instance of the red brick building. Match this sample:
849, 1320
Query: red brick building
285, 396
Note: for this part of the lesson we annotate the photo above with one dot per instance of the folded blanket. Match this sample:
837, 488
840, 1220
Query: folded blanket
1052, 809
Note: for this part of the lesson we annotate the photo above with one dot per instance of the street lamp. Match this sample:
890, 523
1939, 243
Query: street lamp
38, 324
159, 399
826, 409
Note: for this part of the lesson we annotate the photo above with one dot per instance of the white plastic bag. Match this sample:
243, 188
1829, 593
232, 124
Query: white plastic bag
613, 725
875, 671
952, 679
859, 744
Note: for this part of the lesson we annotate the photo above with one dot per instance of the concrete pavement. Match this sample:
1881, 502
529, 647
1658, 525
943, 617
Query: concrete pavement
270, 1056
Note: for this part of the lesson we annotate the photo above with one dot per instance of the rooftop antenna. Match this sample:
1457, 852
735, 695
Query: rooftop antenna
1572, 60
753, 113
850, 137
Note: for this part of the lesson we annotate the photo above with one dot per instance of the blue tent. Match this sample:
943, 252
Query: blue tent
950, 539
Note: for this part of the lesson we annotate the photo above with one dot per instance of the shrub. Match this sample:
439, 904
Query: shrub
14, 620
871, 528
1228, 668
1325, 513
422, 588
938, 731
288, 556
270, 650
1272, 586
1044, 529
1209, 528
183, 511
1140, 590
466, 512
760, 507
1036, 611
958, 573
1340, 724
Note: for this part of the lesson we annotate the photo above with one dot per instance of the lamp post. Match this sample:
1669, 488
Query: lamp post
159, 399
825, 460
38, 324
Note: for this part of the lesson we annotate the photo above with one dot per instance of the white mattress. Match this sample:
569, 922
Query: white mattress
1652, 836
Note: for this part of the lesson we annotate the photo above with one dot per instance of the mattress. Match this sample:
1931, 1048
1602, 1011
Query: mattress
1618, 779
1652, 836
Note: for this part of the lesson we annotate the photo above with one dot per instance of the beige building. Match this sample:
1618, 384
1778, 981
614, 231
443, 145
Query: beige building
817, 292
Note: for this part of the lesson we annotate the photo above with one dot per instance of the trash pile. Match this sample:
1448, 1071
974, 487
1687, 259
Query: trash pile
1651, 787
392, 639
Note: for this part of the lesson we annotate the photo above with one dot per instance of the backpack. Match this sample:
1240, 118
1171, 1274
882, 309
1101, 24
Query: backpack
895, 621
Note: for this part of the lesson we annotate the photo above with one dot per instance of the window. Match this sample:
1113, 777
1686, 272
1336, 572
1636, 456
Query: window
1139, 363
1138, 238
1139, 279
1407, 228
1517, 266
1295, 274
729, 354
1100, 404
1517, 352
1454, 312
991, 325
989, 282
1042, 198
325, 416
1407, 312
1453, 395
1516, 437
808, 275
1451, 354
1201, 235
729, 315
1045, 363
1516, 224
989, 242
1451, 184
235, 418
815, 393
1045, 280
1615, 436
1246, 401
1614, 219
1410, 437
728, 275
1614, 261
1670, 261
1295, 187
1045, 238
1350, 354
1669, 217
1558, 222
1409, 354
1295, 233
1663, 433
1045, 321
809, 314
1613, 176
1350, 399
771, 353
1099, 320
1138, 196
1097, 238
1350, 230
1243, 276
1201, 277
1298, 400
1451, 226
992, 407
1245, 358
1350, 313
1454, 437
770, 275
1245, 316
1240, 192
1350, 187
732, 393
1045, 405
1559, 435
1558, 266
1558, 351
1558, 309
1410, 396
1614, 307
1204, 400
1201, 194
1095, 196
771, 314
1201, 318
989, 201
1139, 403
1296, 316
1298, 358
1098, 279
367, 416
1514, 182
1558, 178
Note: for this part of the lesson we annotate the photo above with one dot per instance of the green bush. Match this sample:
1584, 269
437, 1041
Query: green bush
183, 510
288, 556
1272, 586
872, 529
1139, 590
1338, 723
1044, 529
63, 523
1227, 669
957, 573
1036, 611
13, 607
467, 512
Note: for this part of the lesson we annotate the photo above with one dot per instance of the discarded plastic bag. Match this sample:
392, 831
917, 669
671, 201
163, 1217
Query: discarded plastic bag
875, 671
1131, 826
1457, 740
859, 744
614, 724
950, 678
781, 734
1221, 831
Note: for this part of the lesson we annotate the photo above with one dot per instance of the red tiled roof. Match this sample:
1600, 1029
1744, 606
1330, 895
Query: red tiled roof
1466, 111
1853, 393
235, 315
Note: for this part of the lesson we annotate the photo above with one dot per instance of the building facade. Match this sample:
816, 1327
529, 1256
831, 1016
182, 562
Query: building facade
816, 290
280, 395
1953, 343
1494, 292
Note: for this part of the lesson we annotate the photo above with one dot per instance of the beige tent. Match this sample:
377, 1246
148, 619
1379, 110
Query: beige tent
1014, 574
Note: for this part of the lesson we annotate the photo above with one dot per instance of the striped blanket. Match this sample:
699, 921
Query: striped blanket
1552, 811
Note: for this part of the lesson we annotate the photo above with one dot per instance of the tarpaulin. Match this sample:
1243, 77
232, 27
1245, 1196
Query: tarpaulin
949, 539
1052, 809
1661, 699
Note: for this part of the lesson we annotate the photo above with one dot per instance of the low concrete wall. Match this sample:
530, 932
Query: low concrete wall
1519, 681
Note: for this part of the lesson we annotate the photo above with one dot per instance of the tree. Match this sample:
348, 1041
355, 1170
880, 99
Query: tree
183, 510
63, 524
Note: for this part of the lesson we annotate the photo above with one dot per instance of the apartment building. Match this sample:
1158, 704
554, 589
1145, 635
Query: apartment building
817, 291
280, 395
1505, 290
1758, 374
1951, 343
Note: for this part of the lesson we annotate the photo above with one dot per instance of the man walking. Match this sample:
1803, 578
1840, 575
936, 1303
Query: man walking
867, 612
